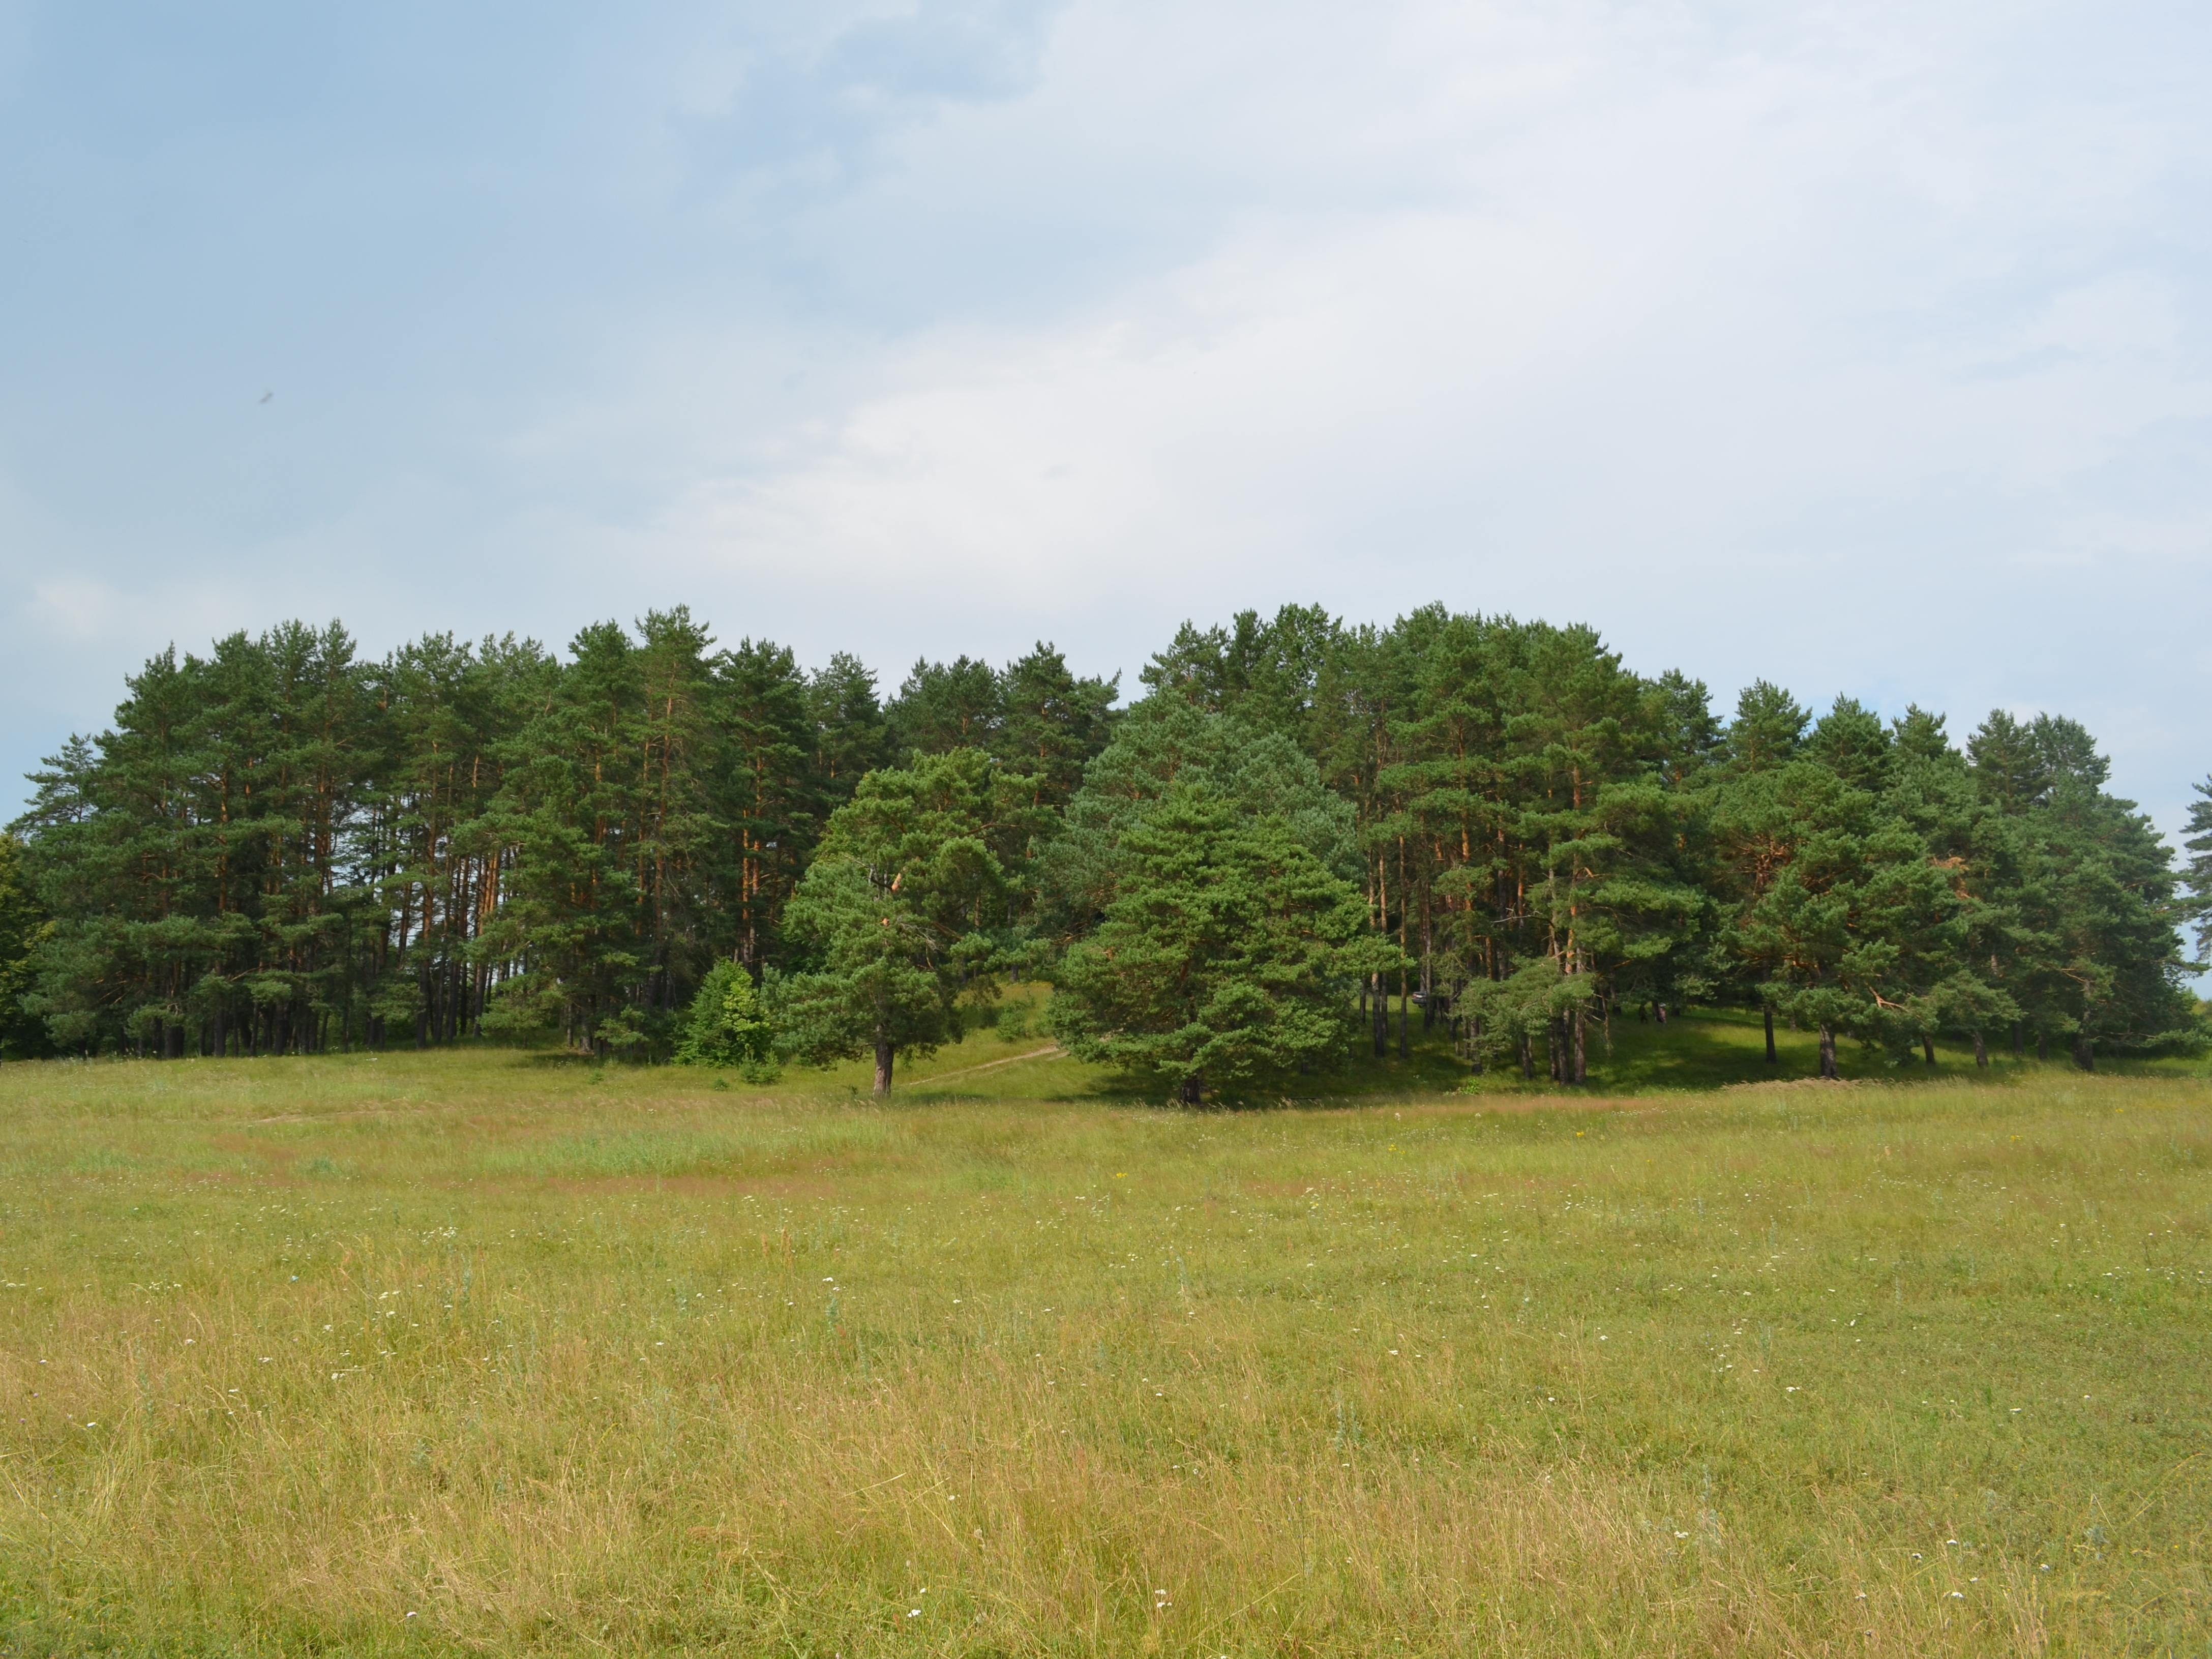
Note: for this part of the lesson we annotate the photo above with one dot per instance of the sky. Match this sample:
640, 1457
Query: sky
1859, 347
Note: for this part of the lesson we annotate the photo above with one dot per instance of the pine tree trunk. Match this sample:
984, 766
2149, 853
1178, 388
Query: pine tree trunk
1581, 1058
1381, 1010
1528, 1059
883, 1065
2085, 1051
1928, 1048
2042, 1044
1193, 1089
1827, 1049
1404, 1015
1768, 1009
1981, 1048
2018, 1052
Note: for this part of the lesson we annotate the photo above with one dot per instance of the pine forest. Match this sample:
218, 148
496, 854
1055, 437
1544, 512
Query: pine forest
1296, 841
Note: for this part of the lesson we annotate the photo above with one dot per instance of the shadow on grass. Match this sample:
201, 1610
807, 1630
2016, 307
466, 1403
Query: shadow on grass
1696, 1051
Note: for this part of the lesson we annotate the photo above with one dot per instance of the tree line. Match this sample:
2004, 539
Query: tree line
1300, 837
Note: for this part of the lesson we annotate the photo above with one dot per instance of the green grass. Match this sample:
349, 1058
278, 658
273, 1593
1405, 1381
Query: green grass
558, 1358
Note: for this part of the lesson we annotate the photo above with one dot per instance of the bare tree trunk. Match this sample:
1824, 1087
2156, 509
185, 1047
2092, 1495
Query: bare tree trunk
1928, 1048
1428, 980
1193, 1089
2085, 1051
1827, 1049
2017, 1051
1381, 1010
1768, 1010
883, 1065
1579, 1056
2042, 1044
1404, 1015
1528, 1059
1981, 1048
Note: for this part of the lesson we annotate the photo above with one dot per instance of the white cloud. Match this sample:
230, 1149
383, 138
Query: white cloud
1585, 291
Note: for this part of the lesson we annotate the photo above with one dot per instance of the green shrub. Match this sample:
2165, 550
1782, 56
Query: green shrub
726, 1025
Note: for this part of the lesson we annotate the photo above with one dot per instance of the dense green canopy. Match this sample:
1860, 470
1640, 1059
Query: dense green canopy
908, 908
1299, 825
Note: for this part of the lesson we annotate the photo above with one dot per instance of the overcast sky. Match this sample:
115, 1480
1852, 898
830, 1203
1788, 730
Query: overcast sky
1857, 346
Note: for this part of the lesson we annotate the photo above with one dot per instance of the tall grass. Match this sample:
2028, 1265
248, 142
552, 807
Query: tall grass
476, 1352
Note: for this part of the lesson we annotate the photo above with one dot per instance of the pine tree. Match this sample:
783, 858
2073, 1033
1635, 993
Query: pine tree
850, 737
2113, 911
23, 928
2085, 900
1932, 789
2198, 872
1850, 926
1162, 740
772, 799
1268, 673
1768, 729
942, 706
572, 804
907, 911
1227, 956
1051, 724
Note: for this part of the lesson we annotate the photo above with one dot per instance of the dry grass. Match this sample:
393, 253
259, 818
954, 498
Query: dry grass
471, 1352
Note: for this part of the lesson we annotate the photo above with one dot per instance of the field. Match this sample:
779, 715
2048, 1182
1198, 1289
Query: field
491, 1352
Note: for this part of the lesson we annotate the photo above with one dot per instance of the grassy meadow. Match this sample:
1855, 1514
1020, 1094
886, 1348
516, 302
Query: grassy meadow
492, 1351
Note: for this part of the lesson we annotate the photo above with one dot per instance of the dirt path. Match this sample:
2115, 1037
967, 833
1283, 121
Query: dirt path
1050, 1049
